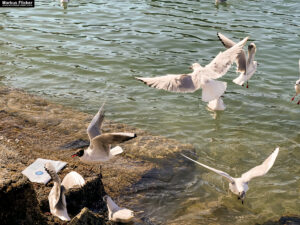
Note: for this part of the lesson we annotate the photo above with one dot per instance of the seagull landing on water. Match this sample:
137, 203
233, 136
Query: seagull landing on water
297, 87
117, 214
201, 77
246, 66
57, 198
239, 186
99, 149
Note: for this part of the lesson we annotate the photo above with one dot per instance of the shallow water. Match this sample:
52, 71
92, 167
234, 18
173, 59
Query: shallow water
92, 51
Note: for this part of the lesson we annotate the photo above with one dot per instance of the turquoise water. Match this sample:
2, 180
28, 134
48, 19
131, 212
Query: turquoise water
93, 50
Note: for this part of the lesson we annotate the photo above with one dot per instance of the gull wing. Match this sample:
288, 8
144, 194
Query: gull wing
93, 129
212, 89
223, 61
72, 179
111, 138
241, 60
261, 169
226, 175
172, 82
56, 192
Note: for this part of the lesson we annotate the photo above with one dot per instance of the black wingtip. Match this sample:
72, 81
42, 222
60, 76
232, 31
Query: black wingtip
218, 34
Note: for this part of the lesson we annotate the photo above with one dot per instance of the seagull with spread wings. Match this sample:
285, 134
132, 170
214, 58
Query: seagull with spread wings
99, 149
245, 65
57, 198
239, 186
201, 77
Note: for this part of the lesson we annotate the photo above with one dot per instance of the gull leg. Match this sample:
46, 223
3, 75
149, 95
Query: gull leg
247, 85
298, 102
293, 98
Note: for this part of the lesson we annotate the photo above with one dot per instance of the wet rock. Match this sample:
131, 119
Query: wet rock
18, 201
87, 217
284, 220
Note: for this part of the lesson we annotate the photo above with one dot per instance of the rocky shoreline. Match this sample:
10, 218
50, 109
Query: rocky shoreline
32, 127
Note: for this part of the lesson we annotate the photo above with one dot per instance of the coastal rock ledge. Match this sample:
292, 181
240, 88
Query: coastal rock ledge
32, 127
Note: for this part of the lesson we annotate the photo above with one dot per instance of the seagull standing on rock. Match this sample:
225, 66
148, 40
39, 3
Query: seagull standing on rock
239, 186
246, 66
57, 198
297, 87
99, 149
201, 77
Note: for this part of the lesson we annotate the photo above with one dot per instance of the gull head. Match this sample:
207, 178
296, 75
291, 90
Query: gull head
79, 153
252, 47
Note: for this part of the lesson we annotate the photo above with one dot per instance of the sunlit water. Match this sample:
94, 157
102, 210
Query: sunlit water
93, 50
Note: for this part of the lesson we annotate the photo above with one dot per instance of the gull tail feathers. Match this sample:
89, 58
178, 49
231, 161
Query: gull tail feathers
116, 150
240, 80
213, 89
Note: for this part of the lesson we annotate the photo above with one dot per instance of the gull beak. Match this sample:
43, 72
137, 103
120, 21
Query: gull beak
242, 197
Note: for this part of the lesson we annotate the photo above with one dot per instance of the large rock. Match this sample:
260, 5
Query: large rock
18, 201
87, 217
33, 127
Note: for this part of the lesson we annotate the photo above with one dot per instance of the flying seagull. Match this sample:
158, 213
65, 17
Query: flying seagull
201, 77
57, 198
297, 87
117, 214
239, 186
99, 149
245, 65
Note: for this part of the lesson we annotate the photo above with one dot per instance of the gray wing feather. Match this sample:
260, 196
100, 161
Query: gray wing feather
51, 171
241, 60
172, 82
223, 61
112, 138
93, 129
226, 175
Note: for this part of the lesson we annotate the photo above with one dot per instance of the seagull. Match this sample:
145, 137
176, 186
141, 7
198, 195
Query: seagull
239, 186
246, 66
201, 77
297, 87
64, 3
117, 214
216, 105
99, 149
57, 198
